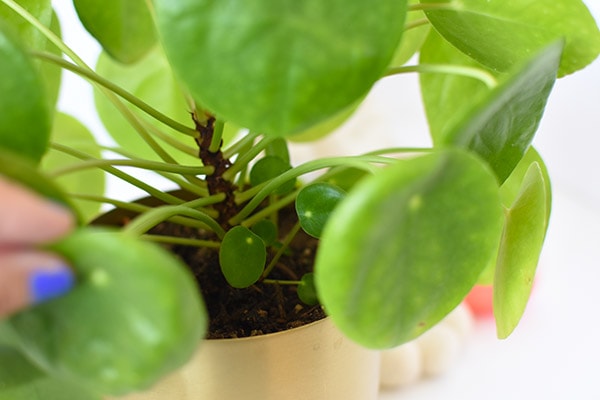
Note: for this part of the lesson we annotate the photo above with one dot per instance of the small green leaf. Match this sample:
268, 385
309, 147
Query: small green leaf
268, 168
124, 28
307, 292
24, 116
152, 81
70, 132
502, 126
279, 66
346, 177
314, 205
267, 231
406, 245
242, 257
522, 241
502, 34
509, 191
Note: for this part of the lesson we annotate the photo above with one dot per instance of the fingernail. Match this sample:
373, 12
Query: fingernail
48, 284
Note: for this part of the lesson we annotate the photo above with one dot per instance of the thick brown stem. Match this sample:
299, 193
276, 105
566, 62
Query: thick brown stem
216, 184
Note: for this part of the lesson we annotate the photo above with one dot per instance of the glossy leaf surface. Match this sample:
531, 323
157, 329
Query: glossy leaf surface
279, 66
406, 246
70, 132
127, 323
124, 28
522, 241
307, 291
501, 34
314, 205
501, 127
25, 119
242, 257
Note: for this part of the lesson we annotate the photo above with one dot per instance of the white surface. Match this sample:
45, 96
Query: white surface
554, 353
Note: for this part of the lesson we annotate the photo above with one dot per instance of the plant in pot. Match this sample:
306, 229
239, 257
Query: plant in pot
208, 95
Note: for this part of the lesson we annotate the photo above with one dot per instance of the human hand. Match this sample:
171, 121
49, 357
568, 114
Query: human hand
29, 275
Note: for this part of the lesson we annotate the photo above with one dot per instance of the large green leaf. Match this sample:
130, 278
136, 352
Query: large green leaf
502, 126
413, 38
20, 380
52, 74
128, 322
152, 81
124, 28
279, 66
70, 132
30, 36
502, 33
522, 241
447, 97
406, 246
24, 116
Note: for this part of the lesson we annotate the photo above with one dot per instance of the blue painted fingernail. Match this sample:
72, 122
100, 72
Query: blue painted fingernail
48, 284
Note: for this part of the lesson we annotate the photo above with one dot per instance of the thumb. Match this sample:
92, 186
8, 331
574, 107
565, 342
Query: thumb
30, 277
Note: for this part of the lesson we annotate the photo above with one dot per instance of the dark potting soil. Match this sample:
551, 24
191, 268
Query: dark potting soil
260, 309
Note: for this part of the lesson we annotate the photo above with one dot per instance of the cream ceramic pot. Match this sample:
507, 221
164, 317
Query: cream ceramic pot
312, 362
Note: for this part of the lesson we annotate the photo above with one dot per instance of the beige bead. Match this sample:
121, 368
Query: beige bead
460, 320
400, 366
439, 348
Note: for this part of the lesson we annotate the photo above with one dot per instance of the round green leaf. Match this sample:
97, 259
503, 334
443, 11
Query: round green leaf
267, 231
307, 292
124, 28
24, 119
268, 168
134, 316
314, 205
501, 127
500, 34
279, 66
29, 35
20, 380
242, 257
70, 132
522, 240
406, 246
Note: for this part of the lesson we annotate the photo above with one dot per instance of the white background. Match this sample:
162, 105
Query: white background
554, 353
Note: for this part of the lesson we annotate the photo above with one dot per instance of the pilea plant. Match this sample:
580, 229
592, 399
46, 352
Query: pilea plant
207, 94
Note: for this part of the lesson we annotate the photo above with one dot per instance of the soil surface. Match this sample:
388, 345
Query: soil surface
259, 309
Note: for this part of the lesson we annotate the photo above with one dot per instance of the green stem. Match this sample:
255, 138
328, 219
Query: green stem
167, 198
217, 137
270, 209
241, 145
259, 193
471, 72
142, 164
91, 75
181, 241
416, 23
284, 245
280, 282
150, 219
245, 158
447, 6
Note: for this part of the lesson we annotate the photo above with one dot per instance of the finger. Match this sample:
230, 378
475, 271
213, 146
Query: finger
28, 278
26, 218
